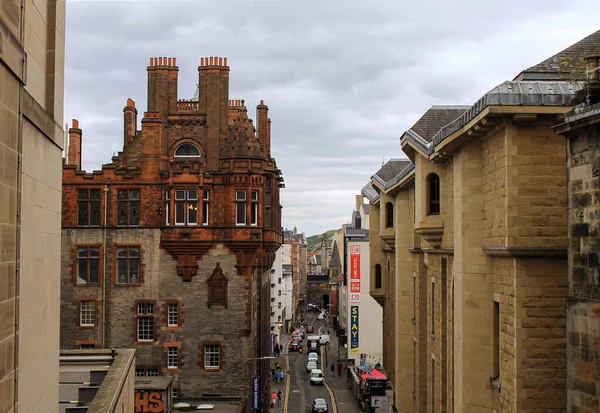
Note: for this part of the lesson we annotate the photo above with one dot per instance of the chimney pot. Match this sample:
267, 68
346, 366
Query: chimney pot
75, 124
211, 60
174, 61
225, 62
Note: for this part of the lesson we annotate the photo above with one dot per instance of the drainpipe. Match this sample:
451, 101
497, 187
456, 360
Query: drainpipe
104, 267
18, 218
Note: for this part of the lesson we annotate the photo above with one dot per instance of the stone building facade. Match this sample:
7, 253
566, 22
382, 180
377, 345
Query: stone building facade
32, 55
582, 129
168, 248
476, 230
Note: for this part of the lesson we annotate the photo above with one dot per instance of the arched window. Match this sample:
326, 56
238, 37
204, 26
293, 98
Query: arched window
389, 215
377, 276
187, 150
433, 184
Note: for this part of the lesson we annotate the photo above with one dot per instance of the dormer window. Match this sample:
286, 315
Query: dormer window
187, 150
433, 194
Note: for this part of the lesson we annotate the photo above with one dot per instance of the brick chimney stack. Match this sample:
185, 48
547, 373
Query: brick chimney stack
74, 157
162, 85
213, 100
130, 121
263, 128
593, 78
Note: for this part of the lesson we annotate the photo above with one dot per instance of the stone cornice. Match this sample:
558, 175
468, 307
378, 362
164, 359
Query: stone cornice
526, 252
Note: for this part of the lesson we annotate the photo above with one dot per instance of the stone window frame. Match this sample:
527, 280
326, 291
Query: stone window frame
128, 201
137, 315
88, 201
434, 200
201, 347
141, 267
165, 308
187, 203
78, 301
79, 343
74, 266
166, 346
183, 143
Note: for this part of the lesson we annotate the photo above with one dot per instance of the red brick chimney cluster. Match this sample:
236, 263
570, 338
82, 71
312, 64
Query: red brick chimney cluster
162, 85
74, 156
264, 128
129, 121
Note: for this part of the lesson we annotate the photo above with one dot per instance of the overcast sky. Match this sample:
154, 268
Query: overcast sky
342, 79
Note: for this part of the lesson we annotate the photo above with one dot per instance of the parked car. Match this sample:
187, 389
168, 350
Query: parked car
297, 337
321, 316
310, 329
316, 376
319, 406
313, 357
310, 366
324, 339
294, 346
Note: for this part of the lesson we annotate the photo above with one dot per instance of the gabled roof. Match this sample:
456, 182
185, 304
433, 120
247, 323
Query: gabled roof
370, 193
435, 118
391, 169
549, 70
335, 257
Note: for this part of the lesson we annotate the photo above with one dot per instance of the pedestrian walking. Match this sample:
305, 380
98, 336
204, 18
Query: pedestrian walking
339, 369
281, 373
332, 369
281, 348
277, 351
273, 399
279, 396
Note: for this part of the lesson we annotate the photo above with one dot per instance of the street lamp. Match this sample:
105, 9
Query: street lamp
246, 364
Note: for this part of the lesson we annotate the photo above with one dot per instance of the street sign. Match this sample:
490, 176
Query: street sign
354, 329
256, 393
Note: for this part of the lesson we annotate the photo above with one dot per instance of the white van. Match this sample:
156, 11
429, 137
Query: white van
313, 342
316, 376
324, 339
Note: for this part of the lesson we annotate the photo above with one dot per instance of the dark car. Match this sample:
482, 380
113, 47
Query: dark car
294, 346
310, 329
319, 406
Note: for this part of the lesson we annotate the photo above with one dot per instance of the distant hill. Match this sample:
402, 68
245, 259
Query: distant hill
315, 240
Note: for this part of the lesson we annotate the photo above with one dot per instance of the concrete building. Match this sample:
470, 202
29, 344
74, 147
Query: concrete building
168, 248
361, 317
582, 129
295, 261
32, 59
471, 241
103, 381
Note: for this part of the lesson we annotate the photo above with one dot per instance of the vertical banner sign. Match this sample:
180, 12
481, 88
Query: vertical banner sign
256, 393
354, 329
272, 343
355, 273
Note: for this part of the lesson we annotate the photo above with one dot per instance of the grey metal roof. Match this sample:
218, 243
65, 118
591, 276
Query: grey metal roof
357, 233
370, 193
366, 208
513, 93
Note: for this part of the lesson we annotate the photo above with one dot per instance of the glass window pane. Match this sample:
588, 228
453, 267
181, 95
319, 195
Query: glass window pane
122, 195
94, 252
255, 195
121, 271
134, 270
134, 195
187, 149
134, 252
94, 213
193, 195
167, 194
82, 272
82, 213
82, 252
240, 213
180, 195
134, 213
240, 195
95, 194
94, 271
206, 195
82, 194
180, 213
122, 213
193, 213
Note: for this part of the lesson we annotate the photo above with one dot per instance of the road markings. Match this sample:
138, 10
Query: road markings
287, 379
327, 386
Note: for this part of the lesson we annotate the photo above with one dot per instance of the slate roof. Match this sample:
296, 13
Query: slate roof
357, 234
548, 69
366, 208
370, 192
435, 118
335, 257
391, 169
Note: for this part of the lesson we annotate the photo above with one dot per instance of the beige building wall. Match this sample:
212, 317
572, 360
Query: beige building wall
30, 202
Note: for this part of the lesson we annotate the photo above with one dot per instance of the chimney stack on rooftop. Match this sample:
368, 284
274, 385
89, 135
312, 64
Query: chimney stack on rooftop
74, 157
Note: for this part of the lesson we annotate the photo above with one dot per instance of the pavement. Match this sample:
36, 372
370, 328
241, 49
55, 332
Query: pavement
298, 394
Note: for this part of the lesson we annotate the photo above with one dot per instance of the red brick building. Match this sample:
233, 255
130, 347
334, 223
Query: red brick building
167, 249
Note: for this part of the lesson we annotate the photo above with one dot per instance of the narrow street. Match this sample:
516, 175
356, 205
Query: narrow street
298, 392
